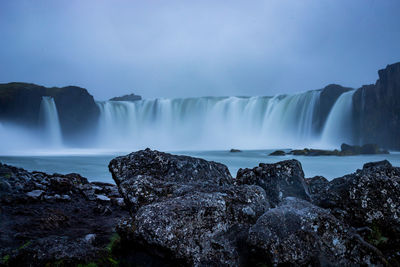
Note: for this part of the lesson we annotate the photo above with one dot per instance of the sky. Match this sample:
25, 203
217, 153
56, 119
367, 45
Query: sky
197, 48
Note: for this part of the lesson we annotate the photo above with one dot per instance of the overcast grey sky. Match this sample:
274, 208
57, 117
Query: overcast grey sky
197, 48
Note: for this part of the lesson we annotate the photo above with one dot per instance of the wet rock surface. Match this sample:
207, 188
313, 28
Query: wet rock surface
299, 233
170, 210
55, 218
369, 200
279, 180
149, 176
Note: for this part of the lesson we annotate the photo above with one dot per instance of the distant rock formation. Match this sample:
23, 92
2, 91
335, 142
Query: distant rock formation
346, 150
130, 97
77, 110
377, 109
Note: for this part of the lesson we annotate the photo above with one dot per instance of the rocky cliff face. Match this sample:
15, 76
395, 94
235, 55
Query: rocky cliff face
377, 109
77, 110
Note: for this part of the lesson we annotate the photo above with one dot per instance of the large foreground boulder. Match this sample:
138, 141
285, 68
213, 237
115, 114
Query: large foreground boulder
186, 209
149, 176
201, 229
299, 233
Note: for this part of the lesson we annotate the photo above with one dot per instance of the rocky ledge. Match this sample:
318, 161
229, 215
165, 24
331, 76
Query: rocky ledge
179, 210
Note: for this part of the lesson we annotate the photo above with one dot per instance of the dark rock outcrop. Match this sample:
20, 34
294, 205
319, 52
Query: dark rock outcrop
77, 110
56, 218
346, 150
377, 109
279, 180
130, 97
234, 150
298, 233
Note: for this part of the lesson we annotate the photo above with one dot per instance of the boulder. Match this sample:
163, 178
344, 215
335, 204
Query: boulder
185, 209
297, 233
279, 180
368, 199
149, 176
201, 229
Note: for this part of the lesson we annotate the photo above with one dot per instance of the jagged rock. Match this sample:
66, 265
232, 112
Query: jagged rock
279, 180
367, 198
201, 228
148, 176
234, 150
187, 209
298, 233
316, 184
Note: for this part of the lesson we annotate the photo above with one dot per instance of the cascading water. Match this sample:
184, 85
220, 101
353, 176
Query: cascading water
339, 124
50, 121
209, 122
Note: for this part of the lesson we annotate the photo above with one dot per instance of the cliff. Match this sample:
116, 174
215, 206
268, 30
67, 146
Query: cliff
77, 110
377, 109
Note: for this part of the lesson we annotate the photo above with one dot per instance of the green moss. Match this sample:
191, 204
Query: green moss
7, 175
114, 241
25, 245
376, 238
5, 259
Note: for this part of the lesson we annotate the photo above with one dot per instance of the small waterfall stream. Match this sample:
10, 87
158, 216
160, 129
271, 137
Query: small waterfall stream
51, 123
339, 124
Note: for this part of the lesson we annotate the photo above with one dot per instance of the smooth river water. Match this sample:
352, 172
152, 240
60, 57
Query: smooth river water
94, 165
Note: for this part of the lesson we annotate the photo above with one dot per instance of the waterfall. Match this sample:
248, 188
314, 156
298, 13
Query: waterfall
338, 128
50, 121
209, 122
